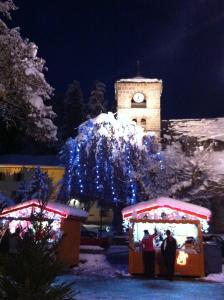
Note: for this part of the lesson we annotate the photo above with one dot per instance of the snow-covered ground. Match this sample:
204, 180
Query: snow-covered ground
97, 279
98, 265
93, 264
219, 277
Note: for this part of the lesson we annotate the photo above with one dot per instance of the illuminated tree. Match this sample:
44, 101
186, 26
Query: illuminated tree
111, 161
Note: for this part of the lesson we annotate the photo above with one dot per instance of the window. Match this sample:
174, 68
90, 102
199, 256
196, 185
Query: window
143, 122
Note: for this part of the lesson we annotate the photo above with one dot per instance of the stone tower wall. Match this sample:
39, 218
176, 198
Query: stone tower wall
124, 92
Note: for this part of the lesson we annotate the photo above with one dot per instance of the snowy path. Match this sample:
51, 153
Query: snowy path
101, 288
96, 278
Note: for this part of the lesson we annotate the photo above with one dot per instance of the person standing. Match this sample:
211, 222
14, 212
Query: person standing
148, 253
168, 249
4, 243
14, 242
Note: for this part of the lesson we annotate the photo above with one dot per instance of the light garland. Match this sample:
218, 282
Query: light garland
101, 163
20, 218
79, 176
165, 213
129, 171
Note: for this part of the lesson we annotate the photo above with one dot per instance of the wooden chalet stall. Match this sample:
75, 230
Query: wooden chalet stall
65, 220
185, 221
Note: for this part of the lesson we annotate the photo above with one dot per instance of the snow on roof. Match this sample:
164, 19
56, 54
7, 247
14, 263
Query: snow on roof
57, 208
140, 79
188, 208
203, 129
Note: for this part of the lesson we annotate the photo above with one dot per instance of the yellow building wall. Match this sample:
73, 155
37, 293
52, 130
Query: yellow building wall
9, 184
95, 215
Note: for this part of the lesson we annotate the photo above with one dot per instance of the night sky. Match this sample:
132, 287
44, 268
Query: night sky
178, 41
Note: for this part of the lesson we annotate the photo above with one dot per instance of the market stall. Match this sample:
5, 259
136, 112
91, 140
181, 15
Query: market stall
64, 220
185, 221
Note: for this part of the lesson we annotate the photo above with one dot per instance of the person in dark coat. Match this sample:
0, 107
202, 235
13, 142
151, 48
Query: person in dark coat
148, 253
15, 242
168, 249
4, 244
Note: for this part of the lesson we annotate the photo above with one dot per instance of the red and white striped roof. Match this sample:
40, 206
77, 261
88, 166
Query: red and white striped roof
181, 206
62, 210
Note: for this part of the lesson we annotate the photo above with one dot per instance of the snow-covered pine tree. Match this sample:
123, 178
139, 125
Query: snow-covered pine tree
109, 161
73, 110
38, 186
97, 103
23, 88
22, 192
5, 202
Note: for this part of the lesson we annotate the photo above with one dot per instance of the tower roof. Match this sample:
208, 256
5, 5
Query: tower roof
140, 79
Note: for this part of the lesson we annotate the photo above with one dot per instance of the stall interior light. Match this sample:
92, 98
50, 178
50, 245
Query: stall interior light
180, 231
182, 258
21, 221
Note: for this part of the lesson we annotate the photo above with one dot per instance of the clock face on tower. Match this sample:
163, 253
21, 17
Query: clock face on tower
138, 97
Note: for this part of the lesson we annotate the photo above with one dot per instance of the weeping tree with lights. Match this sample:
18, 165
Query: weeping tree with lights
111, 161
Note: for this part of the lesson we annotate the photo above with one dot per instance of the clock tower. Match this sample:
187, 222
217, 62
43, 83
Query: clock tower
138, 99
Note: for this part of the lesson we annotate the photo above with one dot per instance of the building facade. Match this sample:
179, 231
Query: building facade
14, 169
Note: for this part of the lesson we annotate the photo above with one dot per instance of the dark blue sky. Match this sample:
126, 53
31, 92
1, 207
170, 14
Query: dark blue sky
179, 41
